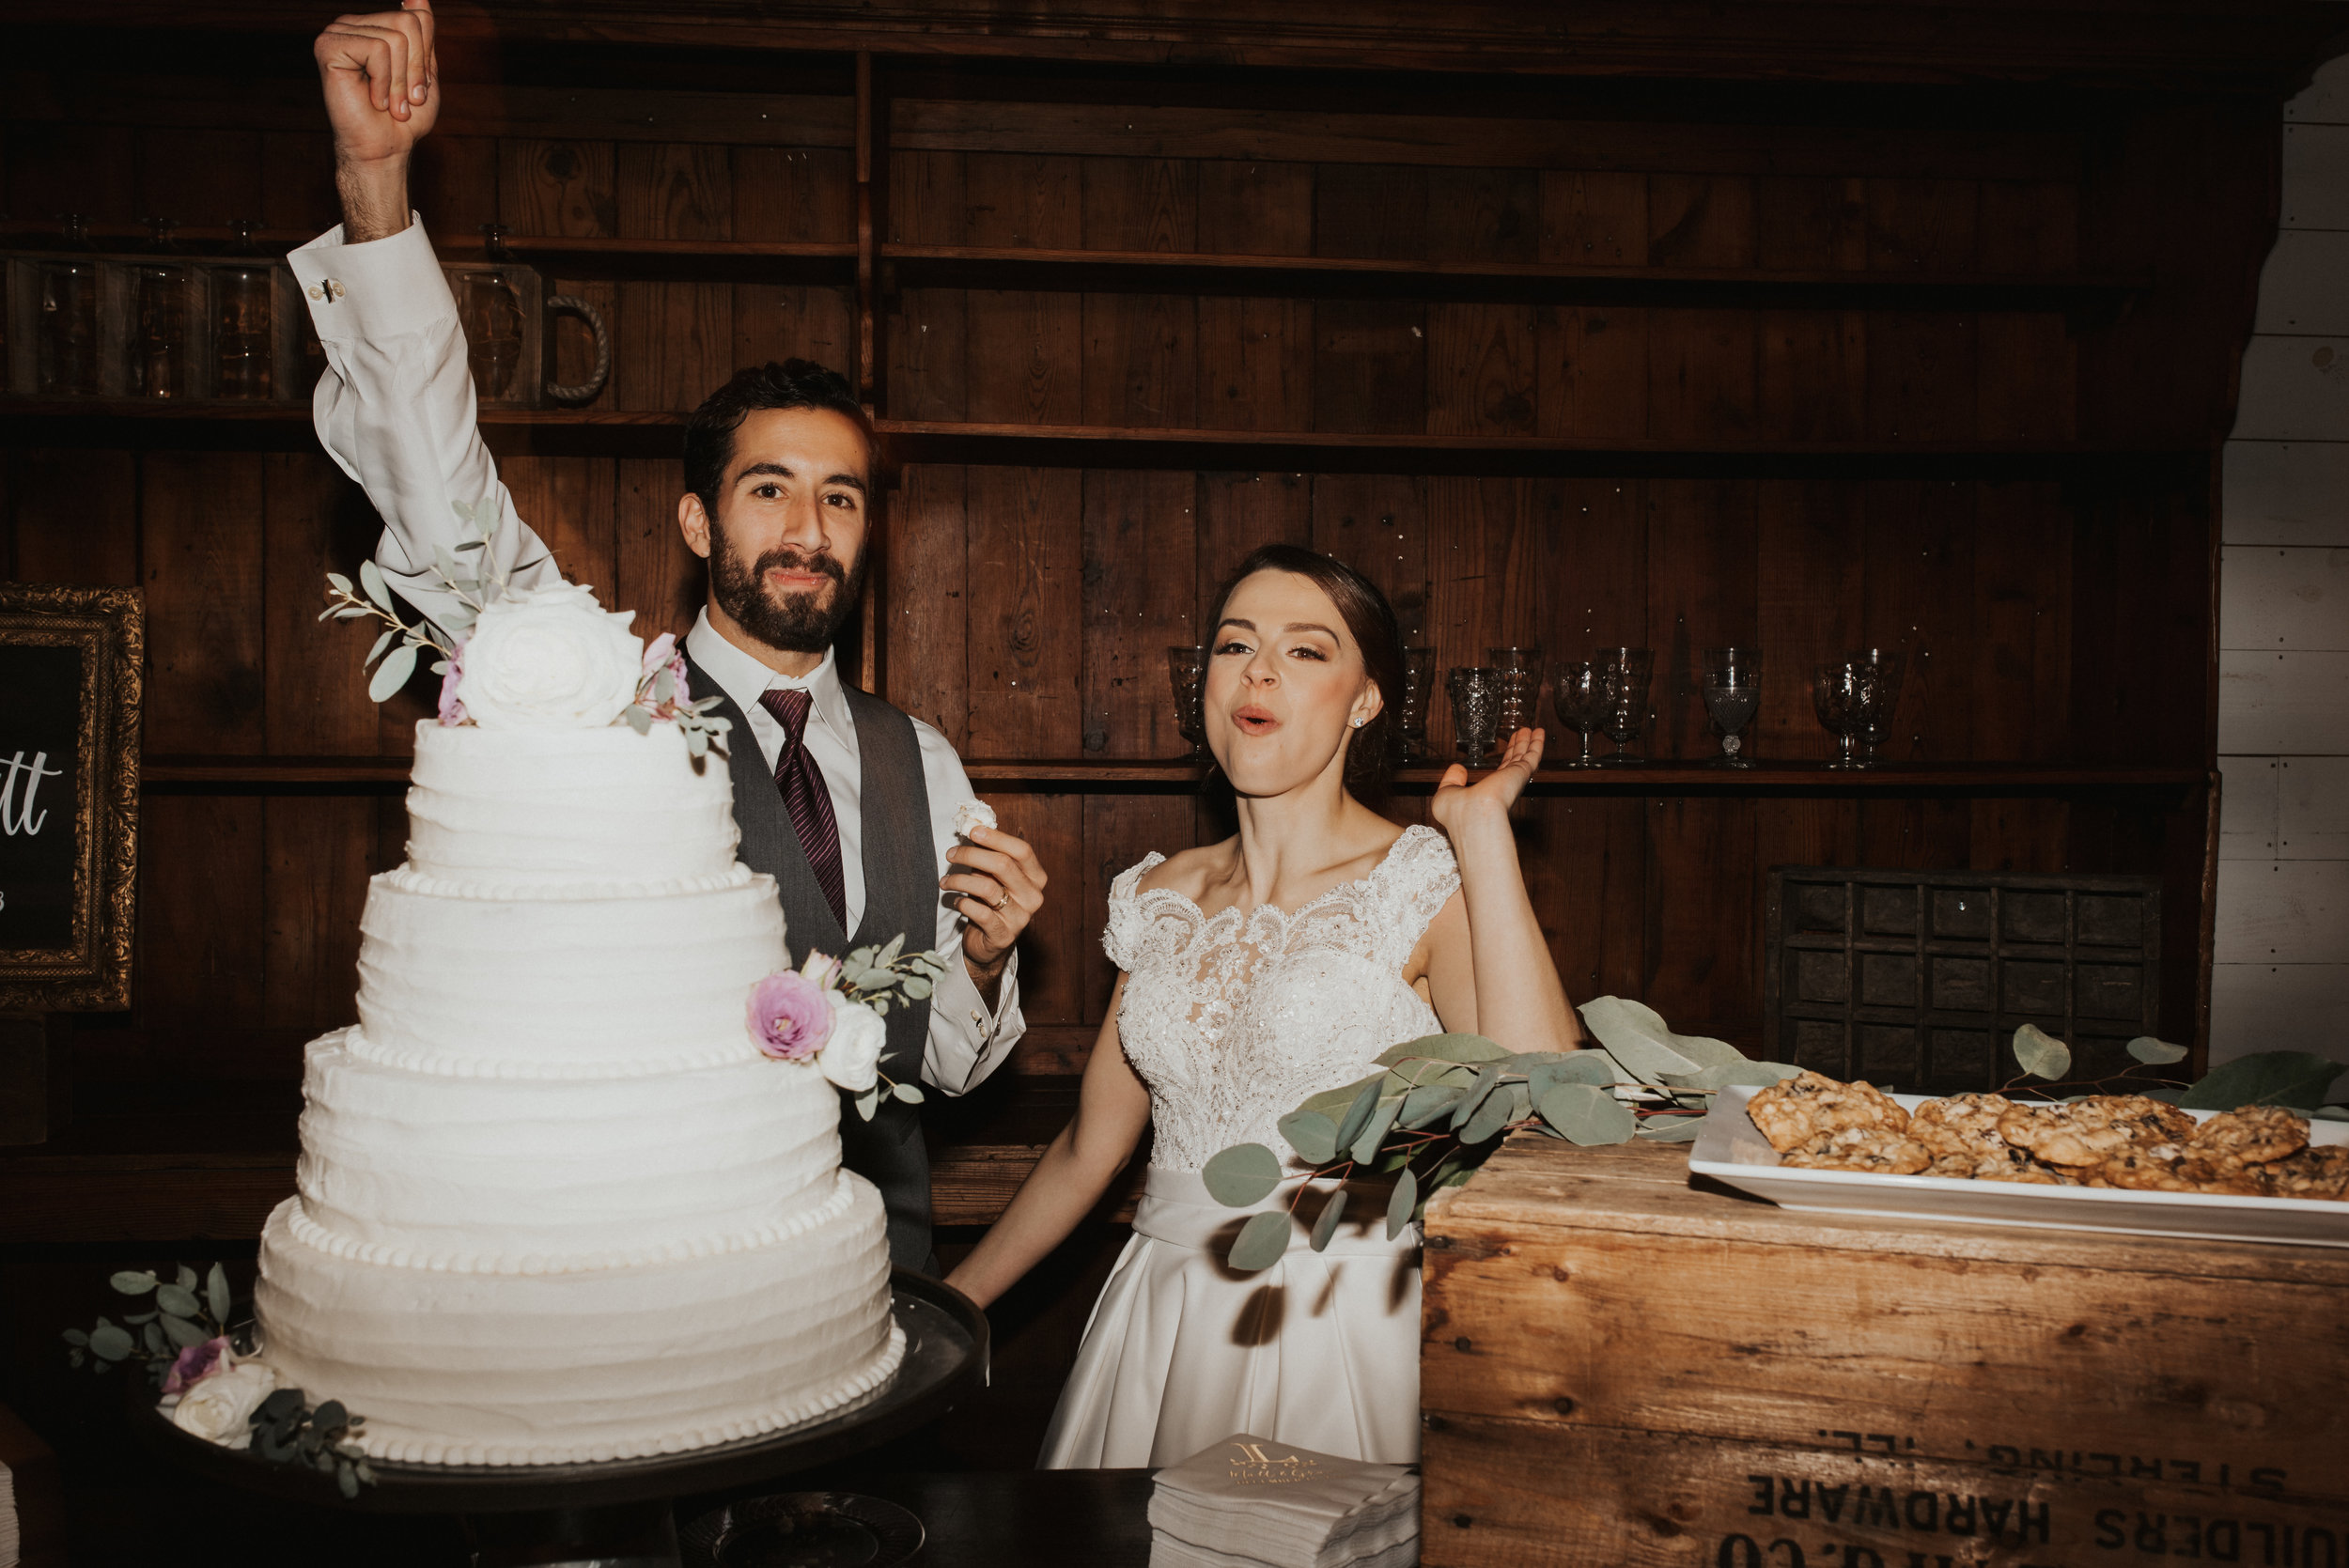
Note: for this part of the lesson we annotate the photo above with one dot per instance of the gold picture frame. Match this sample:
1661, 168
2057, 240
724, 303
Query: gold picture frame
71, 950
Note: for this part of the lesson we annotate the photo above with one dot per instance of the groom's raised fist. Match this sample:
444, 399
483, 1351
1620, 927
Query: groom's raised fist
381, 82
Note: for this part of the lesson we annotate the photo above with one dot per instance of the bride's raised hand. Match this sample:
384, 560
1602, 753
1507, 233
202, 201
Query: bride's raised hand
1457, 802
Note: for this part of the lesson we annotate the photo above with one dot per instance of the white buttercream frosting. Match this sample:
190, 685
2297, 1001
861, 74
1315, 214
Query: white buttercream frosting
553, 1203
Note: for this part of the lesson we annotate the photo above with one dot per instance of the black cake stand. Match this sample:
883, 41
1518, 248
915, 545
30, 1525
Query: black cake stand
616, 1515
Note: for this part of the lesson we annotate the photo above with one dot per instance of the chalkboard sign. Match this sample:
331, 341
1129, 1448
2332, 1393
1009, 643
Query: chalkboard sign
69, 670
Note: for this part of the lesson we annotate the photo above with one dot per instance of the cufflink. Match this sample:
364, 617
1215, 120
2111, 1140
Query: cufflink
327, 290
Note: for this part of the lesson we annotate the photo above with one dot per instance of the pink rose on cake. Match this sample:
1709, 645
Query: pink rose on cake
548, 658
792, 1017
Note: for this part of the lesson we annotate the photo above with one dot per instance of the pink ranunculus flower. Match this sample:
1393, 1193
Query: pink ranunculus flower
662, 653
453, 711
197, 1362
789, 1017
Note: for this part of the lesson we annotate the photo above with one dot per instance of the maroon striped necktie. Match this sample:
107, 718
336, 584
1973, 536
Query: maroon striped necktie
806, 798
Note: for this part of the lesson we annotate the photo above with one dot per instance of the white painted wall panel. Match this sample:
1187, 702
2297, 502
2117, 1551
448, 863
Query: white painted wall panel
2285, 912
2294, 388
2286, 492
2313, 809
2286, 596
2247, 808
2275, 703
2301, 289
2316, 177
2279, 1007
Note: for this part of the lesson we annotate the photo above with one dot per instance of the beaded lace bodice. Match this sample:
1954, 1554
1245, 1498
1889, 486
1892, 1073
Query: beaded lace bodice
1232, 1021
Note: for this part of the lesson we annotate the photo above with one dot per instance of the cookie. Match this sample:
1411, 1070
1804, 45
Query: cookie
2316, 1171
1793, 1111
1962, 1128
2252, 1135
2080, 1135
2152, 1168
1881, 1150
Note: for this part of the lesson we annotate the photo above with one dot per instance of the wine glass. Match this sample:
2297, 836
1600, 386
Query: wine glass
1879, 674
241, 331
1186, 671
1520, 670
1835, 698
1626, 672
1475, 710
494, 331
1578, 690
1732, 694
1407, 736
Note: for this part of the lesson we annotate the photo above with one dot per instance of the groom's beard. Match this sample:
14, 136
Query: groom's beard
794, 623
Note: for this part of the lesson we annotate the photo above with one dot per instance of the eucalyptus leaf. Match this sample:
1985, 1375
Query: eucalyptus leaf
110, 1343
1333, 1103
1670, 1129
1358, 1114
177, 1300
77, 1338
664, 685
2154, 1052
186, 1278
346, 1480
1261, 1242
216, 1293
371, 579
153, 1337
1491, 1116
392, 673
355, 612
638, 719
1487, 1077
470, 544
1638, 1038
1242, 1176
381, 644
1365, 1148
1758, 1075
906, 1093
1313, 1136
889, 954
2288, 1078
340, 584
1587, 1114
1423, 1105
329, 1416
866, 1102
183, 1333
2041, 1054
131, 1284
2331, 1113
442, 562
134, 1319
1593, 1066
1402, 1204
77, 1359
279, 1405
1444, 1048
1326, 1223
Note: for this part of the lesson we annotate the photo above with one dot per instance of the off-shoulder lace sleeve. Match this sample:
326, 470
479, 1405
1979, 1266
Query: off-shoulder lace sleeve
1416, 878
1125, 938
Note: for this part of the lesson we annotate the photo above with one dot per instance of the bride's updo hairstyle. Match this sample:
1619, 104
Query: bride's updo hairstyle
1369, 619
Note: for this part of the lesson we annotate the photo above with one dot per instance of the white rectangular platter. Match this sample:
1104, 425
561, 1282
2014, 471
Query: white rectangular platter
1731, 1149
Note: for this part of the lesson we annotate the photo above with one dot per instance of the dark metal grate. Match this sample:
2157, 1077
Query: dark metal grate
1917, 980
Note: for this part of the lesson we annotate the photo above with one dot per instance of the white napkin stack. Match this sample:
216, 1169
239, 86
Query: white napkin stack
1248, 1502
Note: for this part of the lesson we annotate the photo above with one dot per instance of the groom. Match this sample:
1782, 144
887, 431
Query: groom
848, 803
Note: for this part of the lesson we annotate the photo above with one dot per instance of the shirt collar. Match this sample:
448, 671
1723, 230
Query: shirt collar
743, 678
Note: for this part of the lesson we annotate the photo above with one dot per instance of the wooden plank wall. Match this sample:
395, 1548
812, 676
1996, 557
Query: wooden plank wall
2281, 979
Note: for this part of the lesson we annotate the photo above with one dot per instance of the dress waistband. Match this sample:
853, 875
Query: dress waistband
1176, 1208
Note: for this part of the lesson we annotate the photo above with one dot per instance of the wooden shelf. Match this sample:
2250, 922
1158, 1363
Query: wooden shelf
171, 774
1221, 272
146, 423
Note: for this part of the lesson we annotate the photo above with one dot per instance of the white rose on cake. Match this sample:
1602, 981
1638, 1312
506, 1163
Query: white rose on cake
219, 1408
550, 658
851, 1056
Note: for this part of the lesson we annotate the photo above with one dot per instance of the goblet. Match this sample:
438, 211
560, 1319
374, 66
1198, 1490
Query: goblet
1407, 736
1521, 672
1880, 670
1835, 698
1626, 672
1578, 690
1732, 694
494, 331
1186, 671
1475, 709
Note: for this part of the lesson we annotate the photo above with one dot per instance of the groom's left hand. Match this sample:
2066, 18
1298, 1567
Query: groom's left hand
1000, 887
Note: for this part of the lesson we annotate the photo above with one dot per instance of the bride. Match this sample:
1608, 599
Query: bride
1254, 973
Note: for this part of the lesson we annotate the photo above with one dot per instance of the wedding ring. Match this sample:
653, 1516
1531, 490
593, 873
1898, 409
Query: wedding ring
998, 904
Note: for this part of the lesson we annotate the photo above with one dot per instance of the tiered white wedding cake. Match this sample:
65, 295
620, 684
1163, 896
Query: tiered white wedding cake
554, 1203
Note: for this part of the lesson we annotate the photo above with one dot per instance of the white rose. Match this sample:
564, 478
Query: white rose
219, 1408
851, 1058
550, 658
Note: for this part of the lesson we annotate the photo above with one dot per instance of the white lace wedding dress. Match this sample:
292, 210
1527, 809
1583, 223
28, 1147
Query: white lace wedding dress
1232, 1021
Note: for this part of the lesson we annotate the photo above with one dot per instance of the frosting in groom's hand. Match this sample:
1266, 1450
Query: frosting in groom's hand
997, 887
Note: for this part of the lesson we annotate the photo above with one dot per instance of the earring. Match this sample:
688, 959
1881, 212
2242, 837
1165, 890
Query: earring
1358, 724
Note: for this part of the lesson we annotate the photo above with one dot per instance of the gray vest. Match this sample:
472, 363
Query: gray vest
901, 895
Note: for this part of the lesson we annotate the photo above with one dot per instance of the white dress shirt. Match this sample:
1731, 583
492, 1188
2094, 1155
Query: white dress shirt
395, 409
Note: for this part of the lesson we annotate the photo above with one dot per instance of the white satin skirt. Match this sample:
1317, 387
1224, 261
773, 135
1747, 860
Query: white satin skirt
1320, 1351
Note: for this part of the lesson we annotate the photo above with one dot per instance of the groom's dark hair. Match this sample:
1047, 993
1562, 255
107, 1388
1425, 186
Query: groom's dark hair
1371, 621
795, 383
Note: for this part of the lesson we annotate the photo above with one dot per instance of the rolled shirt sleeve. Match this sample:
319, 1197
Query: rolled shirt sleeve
967, 1039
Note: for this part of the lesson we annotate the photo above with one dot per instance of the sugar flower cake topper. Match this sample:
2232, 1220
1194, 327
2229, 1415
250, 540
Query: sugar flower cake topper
828, 1013
546, 658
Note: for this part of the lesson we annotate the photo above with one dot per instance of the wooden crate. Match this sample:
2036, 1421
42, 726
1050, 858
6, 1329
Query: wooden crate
1620, 1368
1916, 980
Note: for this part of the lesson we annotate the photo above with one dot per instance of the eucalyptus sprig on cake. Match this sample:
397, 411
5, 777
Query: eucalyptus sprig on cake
211, 1379
1440, 1105
830, 1012
546, 658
